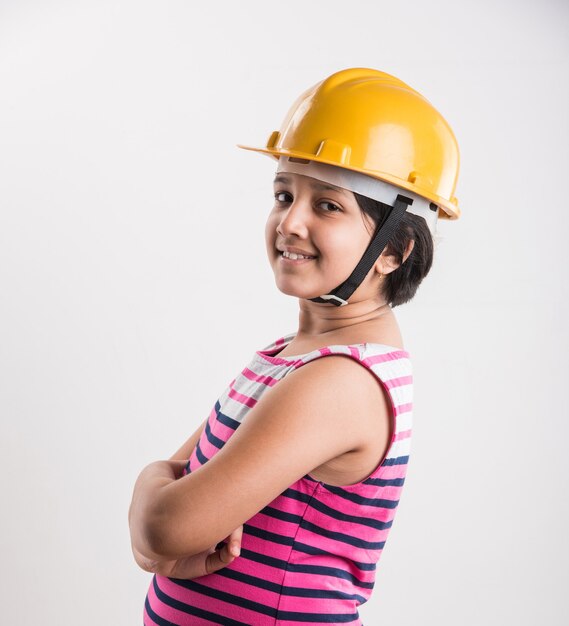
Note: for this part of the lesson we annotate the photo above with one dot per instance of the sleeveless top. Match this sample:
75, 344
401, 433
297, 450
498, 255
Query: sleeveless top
308, 557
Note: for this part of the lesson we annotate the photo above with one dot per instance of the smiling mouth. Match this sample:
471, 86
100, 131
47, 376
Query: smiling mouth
298, 261
295, 255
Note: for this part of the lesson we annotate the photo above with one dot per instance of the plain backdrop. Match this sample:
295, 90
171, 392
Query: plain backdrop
134, 285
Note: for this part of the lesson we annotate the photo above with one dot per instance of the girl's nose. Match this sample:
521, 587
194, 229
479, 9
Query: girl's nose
295, 219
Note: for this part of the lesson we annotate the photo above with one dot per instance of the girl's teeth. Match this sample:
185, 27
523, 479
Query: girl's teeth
292, 255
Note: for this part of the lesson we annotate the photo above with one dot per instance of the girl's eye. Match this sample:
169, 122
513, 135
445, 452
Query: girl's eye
335, 208
281, 193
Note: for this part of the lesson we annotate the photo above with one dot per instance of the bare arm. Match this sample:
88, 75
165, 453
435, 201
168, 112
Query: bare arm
305, 420
152, 477
144, 557
209, 560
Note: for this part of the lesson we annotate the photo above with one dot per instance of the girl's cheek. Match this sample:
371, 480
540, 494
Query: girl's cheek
271, 225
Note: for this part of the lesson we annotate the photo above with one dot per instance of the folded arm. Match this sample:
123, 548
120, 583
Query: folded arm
314, 414
151, 478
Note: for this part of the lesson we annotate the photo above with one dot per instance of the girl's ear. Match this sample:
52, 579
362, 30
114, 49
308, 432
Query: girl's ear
387, 263
408, 249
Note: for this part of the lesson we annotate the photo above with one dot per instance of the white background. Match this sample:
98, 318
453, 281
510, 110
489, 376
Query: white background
134, 285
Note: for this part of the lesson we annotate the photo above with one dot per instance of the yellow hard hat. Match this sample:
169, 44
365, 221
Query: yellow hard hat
371, 122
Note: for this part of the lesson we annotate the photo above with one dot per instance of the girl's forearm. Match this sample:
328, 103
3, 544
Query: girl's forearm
144, 508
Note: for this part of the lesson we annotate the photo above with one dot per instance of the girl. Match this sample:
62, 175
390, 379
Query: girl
282, 511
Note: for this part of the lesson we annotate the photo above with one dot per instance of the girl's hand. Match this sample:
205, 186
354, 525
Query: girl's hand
196, 565
153, 477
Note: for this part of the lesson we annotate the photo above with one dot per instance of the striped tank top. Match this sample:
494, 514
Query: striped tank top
310, 555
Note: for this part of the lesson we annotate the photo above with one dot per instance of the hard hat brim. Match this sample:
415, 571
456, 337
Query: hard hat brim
450, 210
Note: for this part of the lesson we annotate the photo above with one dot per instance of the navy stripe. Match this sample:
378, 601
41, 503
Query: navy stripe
333, 572
343, 537
295, 494
355, 519
400, 460
248, 579
282, 515
300, 592
323, 570
159, 620
266, 535
215, 441
298, 546
325, 594
186, 608
382, 503
308, 549
227, 421
201, 457
307, 477
385, 482
321, 618
271, 561
224, 596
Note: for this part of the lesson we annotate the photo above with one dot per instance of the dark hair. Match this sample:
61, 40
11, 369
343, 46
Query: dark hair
400, 285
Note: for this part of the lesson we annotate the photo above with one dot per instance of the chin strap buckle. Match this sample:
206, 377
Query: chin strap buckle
337, 301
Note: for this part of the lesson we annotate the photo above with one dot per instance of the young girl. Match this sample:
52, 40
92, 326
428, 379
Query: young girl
282, 511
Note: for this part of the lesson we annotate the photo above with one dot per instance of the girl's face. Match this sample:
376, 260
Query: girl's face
322, 221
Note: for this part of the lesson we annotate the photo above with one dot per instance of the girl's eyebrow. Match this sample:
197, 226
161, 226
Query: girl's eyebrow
279, 178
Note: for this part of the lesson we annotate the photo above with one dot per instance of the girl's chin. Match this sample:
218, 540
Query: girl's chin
295, 291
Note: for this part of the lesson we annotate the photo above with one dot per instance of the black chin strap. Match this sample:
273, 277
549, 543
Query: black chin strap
339, 296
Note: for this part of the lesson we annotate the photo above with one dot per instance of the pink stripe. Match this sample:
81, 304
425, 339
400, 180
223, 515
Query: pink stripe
260, 378
275, 360
260, 573
407, 407
337, 545
259, 546
223, 432
286, 528
207, 448
145, 617
309, 580
194, 463
322, 352
255, 568
404, 434
395, 355
353, 352
243, 399
344, 505
391, 383
379, 513
290, 603
221, 607
394, 471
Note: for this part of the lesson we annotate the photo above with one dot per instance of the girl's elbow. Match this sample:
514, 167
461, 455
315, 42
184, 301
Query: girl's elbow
148, 538
167, 540
157, 539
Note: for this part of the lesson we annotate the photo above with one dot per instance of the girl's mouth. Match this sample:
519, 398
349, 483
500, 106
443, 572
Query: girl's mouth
297, 261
